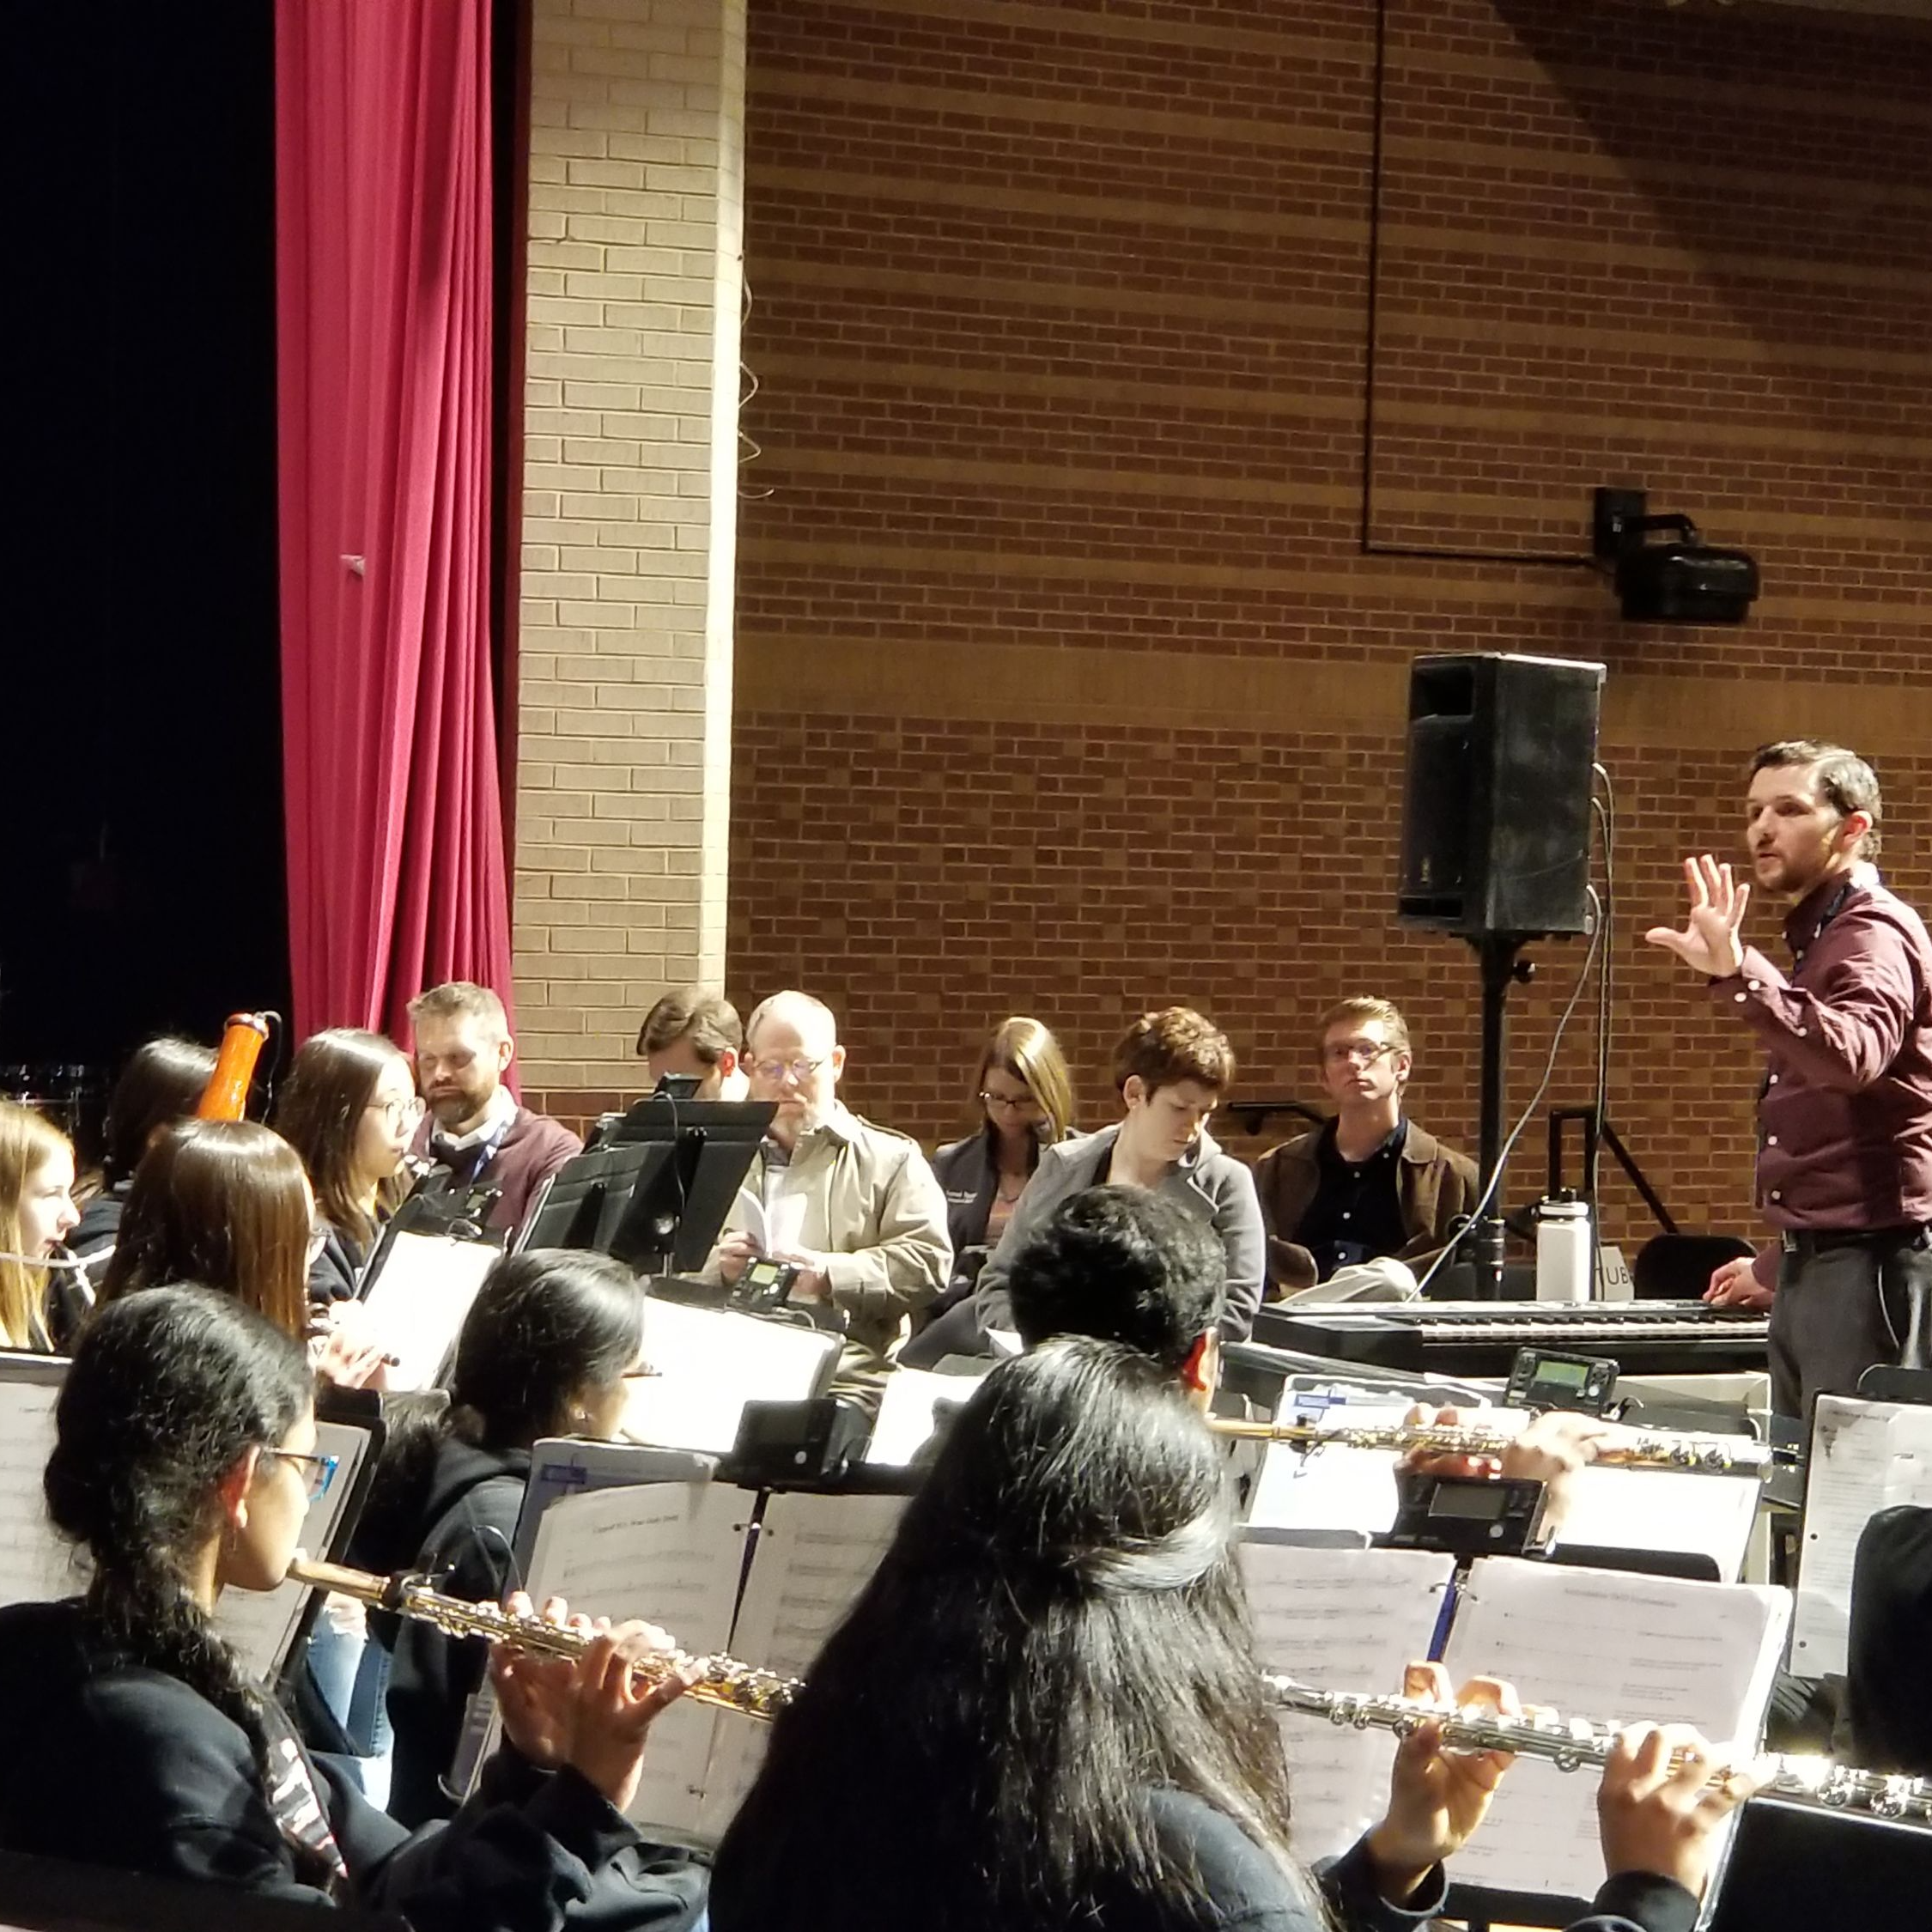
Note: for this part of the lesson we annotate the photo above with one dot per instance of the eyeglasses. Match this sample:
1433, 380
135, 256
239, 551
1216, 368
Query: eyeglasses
1356, 1053
319, 1470
397, 1115
798, 1070
1011, 1103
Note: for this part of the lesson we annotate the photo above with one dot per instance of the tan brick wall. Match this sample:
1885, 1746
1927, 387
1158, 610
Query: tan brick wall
630, 477
1065, 684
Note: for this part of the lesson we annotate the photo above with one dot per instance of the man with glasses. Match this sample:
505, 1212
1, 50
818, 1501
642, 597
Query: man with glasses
1371, 1182
476, 1131
854, 1207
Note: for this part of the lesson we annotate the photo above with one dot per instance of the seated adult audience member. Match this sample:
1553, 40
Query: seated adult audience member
697, 1034
476, 1133
225, 1204
1025, 1100
1171, 1069
185, 1462
1370, 1184
163, 1081
1076, 1731
547, 1349
853, 1206
349, 1108
36, 1213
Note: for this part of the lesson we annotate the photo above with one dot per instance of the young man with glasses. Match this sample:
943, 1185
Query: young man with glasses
1371, 1182
853, 1206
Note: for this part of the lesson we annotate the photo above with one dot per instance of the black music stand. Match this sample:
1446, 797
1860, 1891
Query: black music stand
700, 1153
587, 1199
1801, 1867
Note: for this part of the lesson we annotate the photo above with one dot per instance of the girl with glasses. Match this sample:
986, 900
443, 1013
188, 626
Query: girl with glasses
349, 1108
548, 1348
186, 1451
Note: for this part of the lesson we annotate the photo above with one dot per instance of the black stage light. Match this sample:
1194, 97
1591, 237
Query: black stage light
1681, 581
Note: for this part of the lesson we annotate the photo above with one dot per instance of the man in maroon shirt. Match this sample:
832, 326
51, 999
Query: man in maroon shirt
1845, 1118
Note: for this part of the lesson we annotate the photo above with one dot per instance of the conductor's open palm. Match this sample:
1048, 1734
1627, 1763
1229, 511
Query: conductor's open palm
1710, 941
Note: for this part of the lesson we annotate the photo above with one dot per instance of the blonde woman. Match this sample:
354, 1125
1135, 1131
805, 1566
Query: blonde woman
37, 1214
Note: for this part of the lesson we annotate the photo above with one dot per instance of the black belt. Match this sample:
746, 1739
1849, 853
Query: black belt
1818, 1241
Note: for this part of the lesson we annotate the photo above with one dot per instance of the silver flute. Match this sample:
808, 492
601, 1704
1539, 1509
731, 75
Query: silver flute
1630, 1448
1570, 1743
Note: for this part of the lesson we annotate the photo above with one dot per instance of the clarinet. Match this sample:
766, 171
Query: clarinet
1570, 1743
1649, 1449
723, 1681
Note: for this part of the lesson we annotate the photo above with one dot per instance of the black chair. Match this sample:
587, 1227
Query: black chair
1678, 1268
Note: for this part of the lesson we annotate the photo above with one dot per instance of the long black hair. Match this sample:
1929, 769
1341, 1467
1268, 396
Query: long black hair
1057, 1630
544, 1324
168, 1389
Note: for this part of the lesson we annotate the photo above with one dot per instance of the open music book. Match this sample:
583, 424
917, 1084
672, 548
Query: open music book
1865, 1457
709, 1363
415, 1300
1602, 1645
674, 1553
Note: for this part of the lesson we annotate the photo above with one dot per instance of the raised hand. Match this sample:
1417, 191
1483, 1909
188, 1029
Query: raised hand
1436, 1798
1710, 940
1654, 1814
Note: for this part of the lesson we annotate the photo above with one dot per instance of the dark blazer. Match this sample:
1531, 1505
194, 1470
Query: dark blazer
467, 1528
111, 1764
1433, 1185
969, 1172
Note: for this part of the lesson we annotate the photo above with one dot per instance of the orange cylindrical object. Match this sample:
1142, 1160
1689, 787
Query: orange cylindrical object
225, 1096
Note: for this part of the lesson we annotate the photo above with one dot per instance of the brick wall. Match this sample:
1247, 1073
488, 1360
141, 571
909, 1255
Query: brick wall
635, 187
1065, 685
1064, 681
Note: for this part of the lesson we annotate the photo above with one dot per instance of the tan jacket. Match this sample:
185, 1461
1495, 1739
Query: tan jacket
873, 1208
1433, 1186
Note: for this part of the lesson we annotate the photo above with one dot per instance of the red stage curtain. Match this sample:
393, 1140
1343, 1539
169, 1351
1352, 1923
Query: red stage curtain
396, 862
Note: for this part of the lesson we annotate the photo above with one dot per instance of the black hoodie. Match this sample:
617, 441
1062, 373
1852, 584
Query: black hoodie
112, 1764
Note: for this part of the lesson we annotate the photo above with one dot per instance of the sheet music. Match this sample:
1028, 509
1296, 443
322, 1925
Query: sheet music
671, 1553
1865, 1457
1343, 1620
418, 1299
261, 1624
814, 1555
1333, 1487
564, 1466
776, 1225
35, 1563
1615, 1647
906, 1411
710, 1364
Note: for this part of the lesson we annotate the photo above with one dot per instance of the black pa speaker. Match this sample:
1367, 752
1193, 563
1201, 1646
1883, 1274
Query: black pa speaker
1496, 813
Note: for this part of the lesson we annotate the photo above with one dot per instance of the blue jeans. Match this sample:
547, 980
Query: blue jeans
352, 1674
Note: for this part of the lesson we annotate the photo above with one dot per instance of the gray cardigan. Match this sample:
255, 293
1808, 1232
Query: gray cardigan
1208, 1183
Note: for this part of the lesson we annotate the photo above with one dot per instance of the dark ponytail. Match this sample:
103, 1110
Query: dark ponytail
169, 1389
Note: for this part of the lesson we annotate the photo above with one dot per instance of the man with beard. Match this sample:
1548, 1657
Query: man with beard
1844, 1116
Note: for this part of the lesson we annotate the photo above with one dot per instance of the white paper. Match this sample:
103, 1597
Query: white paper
1341, 1621
906, 1411
776, 1224
813, 1557
260, 1624
35, 1563
710, 1364
671, 1553
418, 1300
1615, 1648
1865, 1457
1620, 1509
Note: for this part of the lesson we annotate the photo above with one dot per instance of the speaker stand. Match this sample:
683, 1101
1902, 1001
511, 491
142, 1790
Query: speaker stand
1500, 957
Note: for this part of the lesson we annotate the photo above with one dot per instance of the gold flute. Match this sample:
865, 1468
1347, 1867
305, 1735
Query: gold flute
1638, 1448
723, 1682
1570, 1743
